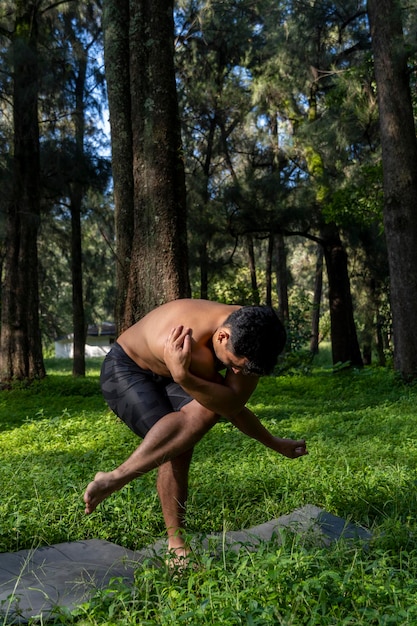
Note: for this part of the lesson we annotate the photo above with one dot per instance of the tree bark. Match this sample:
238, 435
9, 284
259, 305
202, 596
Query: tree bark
268, 269
78, 316
21, 346
159, 271
368, 321
380, 341
399, 160
345, 345
152, 240
282, 279
117, 59
77, 193
318, 290
252, 269
201, 229
203, 257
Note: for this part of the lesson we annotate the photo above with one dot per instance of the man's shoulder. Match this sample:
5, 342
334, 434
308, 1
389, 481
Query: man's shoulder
187, 307
198, 304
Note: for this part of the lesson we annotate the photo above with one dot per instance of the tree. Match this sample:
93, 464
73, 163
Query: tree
146, 153
399, 159
21, 348
69, 106
297, 88
82, 34
117, 61
318, 287
345, 345
214, 45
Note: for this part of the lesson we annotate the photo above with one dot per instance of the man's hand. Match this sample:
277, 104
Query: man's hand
290, 448
177, 352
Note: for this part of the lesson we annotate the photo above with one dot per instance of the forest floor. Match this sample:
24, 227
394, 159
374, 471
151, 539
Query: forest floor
360, 427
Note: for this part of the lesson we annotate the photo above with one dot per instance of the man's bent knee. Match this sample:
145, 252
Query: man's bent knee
196, 411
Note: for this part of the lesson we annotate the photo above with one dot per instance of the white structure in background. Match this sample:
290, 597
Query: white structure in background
98, 342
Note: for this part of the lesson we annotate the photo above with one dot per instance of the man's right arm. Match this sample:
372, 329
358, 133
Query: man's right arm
225, 397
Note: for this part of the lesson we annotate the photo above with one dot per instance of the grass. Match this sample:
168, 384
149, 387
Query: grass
360, 428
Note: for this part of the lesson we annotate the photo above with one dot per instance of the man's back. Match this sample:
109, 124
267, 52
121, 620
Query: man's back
144, 341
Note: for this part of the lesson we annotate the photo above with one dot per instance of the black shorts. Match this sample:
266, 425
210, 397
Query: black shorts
139, 397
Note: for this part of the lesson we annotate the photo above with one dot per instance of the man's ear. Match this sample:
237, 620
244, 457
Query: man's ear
223, 335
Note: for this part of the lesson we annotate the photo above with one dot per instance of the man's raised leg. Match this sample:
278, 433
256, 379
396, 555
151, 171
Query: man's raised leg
172, 435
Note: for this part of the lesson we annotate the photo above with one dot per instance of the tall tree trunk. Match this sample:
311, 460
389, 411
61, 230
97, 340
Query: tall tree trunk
201, 229
345, 345
77, 193
117, 59
380, 340
318, 290
399, 160
268, 269
78, 316
21, 346
282, 279
369, 322
159, 269
155, 251
252, 269
203, 257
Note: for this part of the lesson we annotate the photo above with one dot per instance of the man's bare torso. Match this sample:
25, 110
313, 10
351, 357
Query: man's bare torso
144, 341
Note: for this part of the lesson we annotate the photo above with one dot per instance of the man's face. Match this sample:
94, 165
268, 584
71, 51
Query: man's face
234, 363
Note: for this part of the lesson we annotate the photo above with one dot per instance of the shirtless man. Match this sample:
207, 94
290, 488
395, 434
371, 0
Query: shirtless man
162, 378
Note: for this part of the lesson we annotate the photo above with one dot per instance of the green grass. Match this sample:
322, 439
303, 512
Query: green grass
360, 428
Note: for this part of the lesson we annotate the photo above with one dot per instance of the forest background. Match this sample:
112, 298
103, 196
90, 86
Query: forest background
253, 144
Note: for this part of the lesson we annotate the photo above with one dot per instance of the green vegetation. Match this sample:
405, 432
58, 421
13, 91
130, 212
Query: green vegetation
360, 427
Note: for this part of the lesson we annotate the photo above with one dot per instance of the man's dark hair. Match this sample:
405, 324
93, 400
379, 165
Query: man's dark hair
257, 334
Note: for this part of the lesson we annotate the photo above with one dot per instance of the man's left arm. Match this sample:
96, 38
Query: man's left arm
227, 397
249, 424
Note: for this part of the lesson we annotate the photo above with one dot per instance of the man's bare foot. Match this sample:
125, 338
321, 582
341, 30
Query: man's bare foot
291, 448
178, 558
101, 487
